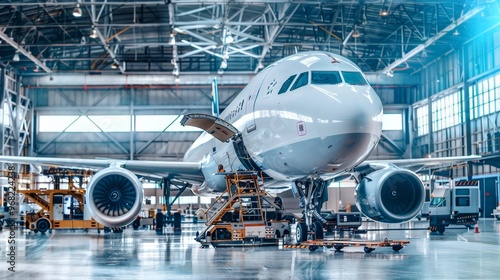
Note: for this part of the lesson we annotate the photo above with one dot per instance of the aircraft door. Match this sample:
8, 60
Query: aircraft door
255, 90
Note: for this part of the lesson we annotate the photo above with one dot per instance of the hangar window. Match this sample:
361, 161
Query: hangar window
286, 84
446, 111
354, 78
158, 123
113, 123
325, 78
485, 97
392, 122
302, 80
422, 115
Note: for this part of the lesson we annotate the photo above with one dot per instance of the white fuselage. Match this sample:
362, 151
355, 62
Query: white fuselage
326, 126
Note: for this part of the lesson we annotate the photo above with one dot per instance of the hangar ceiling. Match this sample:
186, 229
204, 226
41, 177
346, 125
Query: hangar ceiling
239, 37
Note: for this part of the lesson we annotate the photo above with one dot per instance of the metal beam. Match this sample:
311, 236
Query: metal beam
23, 51
433, 39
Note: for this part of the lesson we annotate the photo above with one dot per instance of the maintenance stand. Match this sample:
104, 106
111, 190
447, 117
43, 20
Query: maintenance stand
244, 215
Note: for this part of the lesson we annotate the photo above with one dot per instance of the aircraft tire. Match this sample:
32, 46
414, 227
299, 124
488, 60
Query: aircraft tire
42, 225
318, 228
301, 232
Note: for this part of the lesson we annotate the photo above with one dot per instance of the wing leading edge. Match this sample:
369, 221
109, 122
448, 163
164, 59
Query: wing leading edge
192, 170
422, 163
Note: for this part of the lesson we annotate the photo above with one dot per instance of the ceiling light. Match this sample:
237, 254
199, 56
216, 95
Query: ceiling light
177, 79
93, 33
51, 78
220, 72
77, 12
16, 56
171, 40
384, 13
115, 65
223, 64
36, 69
389, 74
456, 33
175, 72
260, 65
356, 34
229, 38
424, 54
225, 55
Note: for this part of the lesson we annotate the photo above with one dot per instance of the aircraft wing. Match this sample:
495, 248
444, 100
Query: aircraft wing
188, 170
422, 163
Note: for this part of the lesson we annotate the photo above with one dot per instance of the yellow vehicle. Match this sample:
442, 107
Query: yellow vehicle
61, 209
244, 215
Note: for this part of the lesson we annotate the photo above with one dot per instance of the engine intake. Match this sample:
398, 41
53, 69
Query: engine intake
390, 195
114, 197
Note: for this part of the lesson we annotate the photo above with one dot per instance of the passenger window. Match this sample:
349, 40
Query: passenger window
325, 78
286, 84
354, 78
302, 80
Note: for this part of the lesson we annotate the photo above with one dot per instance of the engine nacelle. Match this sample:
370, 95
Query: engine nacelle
390, 195
114, 197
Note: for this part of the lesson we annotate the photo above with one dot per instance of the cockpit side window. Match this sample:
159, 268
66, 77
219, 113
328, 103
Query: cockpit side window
286, 84
325, 78
354, 78
302, 80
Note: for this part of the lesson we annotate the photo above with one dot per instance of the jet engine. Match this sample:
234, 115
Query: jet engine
114, 196
390, 194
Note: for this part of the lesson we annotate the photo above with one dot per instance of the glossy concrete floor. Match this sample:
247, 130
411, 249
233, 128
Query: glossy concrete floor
457, 254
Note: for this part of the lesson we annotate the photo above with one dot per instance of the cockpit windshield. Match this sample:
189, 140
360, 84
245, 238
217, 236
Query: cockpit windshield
354, 78
325, 78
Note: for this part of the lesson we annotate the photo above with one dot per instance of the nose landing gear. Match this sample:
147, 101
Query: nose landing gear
313, 193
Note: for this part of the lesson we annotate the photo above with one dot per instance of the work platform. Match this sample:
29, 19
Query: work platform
244, 215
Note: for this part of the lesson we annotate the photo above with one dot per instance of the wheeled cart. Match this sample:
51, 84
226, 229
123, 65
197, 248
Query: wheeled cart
244, 215
369, 246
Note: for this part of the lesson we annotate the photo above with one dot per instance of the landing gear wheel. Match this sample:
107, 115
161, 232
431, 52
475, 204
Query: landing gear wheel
441, 229
136, 224
301, 232
318, 228
397, 247
368, 249
313, 248
42, 225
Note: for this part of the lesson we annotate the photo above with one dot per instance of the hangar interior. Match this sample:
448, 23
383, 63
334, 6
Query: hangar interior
112, 79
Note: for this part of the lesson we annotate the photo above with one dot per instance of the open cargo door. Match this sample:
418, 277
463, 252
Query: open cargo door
218, 128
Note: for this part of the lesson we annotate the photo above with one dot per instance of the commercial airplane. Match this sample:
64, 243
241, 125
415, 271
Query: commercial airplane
303, 121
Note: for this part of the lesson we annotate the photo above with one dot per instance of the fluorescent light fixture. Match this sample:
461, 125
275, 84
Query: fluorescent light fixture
171, 40
93, 33
229, 38
77, 11
16, 56
356, 34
